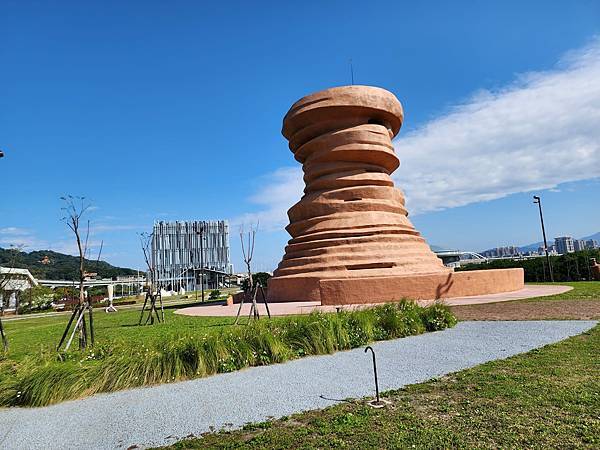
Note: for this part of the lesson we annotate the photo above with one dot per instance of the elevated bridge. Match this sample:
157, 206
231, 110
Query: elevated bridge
140, 281
454, 258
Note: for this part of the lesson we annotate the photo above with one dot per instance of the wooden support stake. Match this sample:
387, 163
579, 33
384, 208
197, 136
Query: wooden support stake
4, 339
91, 324
144, 307
62, 339
262, 292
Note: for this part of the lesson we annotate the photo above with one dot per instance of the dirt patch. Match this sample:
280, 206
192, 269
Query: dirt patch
558, 309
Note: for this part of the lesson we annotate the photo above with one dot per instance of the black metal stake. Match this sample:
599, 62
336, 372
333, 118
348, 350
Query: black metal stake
375, 372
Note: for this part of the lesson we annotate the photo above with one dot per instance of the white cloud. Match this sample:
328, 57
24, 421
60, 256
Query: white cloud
538, 132
13, 231
17, 237
280, 191
27, 241
104, 227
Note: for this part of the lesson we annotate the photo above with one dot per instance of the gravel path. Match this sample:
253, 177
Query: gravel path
163, 414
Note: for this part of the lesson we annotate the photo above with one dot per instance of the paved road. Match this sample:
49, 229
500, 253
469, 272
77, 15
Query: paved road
160, 415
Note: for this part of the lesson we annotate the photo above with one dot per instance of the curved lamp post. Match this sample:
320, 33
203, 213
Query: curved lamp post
538, 201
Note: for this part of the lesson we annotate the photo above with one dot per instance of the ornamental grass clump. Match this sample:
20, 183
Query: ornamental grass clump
48, 378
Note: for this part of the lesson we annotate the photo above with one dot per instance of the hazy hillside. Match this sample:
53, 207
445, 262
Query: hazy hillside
49, 265
534, 246
595, 237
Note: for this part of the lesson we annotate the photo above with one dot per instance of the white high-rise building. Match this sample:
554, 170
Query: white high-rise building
578, 245
564, 245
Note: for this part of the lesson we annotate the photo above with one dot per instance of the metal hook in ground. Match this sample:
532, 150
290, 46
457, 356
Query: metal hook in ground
378, 403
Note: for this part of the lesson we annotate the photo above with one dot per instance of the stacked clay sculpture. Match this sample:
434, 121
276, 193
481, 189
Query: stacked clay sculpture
351, 227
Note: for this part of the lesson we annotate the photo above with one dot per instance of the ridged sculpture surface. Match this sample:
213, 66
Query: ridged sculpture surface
350, 227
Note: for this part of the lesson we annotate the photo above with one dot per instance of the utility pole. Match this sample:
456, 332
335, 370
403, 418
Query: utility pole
538, 201
201, 233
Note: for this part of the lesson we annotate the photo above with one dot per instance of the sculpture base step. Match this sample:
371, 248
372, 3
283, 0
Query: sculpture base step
345, 291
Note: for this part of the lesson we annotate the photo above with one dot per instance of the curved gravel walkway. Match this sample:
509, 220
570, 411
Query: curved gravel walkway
163, 414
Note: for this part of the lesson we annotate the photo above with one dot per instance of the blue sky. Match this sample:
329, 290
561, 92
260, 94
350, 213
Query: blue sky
172, 110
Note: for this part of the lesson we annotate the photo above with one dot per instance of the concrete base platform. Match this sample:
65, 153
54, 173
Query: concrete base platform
289, 308
381, 289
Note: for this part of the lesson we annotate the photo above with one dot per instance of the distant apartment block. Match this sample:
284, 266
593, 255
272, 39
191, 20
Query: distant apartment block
579, 245
502, 252
591, 244
551, 250
564, 245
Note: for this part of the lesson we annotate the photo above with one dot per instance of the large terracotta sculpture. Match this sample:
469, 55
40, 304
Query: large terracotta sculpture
352, 241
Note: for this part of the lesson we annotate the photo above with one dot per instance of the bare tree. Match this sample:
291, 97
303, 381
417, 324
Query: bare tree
153, 292
74, 209
251, 290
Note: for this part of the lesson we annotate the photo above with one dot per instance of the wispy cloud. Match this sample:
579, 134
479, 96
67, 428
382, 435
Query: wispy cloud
105, 227
29, 240
281, 189
536, 133
18, 237
13, 231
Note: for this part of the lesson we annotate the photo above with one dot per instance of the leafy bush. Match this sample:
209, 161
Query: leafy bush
260, 278
215, 294
45, 379
36, 298
438, 317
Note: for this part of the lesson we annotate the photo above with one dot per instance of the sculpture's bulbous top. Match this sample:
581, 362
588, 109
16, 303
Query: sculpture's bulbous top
340, 107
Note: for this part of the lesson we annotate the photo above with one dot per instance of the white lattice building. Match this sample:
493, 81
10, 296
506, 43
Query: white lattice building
178, 254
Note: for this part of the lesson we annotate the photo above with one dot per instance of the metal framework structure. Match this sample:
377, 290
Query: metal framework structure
182, 250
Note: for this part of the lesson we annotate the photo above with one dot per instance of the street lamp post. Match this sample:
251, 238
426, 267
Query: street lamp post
538, 200
201, 233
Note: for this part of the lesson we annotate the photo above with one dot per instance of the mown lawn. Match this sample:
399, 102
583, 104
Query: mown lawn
28, 337
582, 290
126, 355
547, 398
37, 335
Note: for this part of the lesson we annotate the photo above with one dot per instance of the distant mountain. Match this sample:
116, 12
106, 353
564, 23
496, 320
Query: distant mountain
49, 265
437, 248
533, 247
595, 237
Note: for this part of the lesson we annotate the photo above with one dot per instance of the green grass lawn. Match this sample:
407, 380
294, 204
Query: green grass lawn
126, 355
582, 290
28, 337
547, 398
